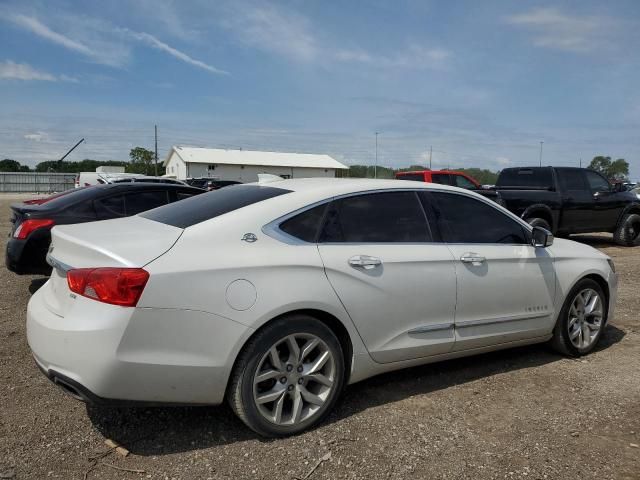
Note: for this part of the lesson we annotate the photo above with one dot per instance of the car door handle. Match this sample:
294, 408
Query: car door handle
364, 261
472, 258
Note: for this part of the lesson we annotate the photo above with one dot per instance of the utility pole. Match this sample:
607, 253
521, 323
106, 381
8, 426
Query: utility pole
375, 167
580, 162
541, 153
430, 155
156, 130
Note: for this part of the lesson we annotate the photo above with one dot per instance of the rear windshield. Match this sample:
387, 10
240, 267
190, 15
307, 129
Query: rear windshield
525, 177
418, 177
206, 206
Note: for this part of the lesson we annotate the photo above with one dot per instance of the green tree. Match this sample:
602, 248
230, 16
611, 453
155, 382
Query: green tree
614, 170
141, 160
619, 169
8, 165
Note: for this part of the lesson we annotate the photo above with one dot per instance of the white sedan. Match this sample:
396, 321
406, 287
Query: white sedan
276, 295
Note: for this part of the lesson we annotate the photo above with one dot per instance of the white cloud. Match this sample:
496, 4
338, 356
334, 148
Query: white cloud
37, 136
557, 30
415, 56
274, 30
100, 41
503, 161
291, 35
35, 26
152, 41
22, 71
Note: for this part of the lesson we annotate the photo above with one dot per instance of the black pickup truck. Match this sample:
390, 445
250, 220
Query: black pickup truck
568, 200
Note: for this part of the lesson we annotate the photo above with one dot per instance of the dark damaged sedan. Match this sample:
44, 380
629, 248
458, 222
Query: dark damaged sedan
32, 220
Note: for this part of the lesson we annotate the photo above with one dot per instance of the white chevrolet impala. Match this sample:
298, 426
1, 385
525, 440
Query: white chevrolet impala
276, 295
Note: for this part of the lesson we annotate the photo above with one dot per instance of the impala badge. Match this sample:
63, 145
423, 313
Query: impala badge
249, 237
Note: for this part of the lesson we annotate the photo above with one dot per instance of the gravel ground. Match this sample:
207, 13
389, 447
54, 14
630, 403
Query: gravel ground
524, 412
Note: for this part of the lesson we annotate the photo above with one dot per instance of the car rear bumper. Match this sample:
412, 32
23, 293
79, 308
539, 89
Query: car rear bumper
107, 354
27, 258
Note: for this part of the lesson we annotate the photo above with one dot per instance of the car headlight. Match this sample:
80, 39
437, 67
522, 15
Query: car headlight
612, 265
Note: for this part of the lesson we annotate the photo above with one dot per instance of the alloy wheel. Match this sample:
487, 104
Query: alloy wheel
294, 379
585, 318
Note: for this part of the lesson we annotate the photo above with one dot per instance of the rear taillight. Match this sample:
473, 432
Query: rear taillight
28, 226
117, 286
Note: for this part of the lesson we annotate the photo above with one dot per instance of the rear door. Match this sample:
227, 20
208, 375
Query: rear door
577, 200
396, 284
505, 286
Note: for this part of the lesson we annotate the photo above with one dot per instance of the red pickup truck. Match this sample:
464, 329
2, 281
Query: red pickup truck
450, 177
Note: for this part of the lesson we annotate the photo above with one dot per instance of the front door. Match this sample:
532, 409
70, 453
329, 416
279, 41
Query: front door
397, 286
607, 203
506, 287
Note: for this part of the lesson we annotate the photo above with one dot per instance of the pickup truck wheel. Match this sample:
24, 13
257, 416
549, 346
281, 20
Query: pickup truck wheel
628, 232
581, 321
538, 222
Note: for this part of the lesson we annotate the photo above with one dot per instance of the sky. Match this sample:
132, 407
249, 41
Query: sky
480, 83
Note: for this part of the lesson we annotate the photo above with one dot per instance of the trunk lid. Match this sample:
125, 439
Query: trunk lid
124, 242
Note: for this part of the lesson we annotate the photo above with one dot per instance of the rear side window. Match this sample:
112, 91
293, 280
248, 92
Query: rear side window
441, 178
305, 225
110, 207
571, 179
388, 217
466, 220
417, 177
182, 195
142, 201
525, 177
206, 206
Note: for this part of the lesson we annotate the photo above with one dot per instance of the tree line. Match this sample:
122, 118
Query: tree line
141, 160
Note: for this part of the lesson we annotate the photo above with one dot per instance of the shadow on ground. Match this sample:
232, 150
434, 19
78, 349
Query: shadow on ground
36, 284
166, 430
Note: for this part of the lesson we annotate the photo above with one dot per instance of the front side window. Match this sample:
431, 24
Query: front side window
463, 219
386, 217
597, 182
463, 182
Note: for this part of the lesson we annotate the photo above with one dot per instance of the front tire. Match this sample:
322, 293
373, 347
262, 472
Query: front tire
288, 377
627, 233
582, 320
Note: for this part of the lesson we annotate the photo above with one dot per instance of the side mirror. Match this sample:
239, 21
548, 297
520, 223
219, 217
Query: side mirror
541, 237
619, 187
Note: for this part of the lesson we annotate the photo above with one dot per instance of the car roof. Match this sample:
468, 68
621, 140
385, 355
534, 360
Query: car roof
328, 187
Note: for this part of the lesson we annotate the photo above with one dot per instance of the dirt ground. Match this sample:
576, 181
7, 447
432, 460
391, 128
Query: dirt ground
521, 413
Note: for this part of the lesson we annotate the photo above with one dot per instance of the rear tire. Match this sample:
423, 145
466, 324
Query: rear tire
582, 320
627, 233
538, 222
288, 377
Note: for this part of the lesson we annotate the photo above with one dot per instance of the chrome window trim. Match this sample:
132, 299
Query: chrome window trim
272, 229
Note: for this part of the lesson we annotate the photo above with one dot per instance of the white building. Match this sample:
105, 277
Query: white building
245, 165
